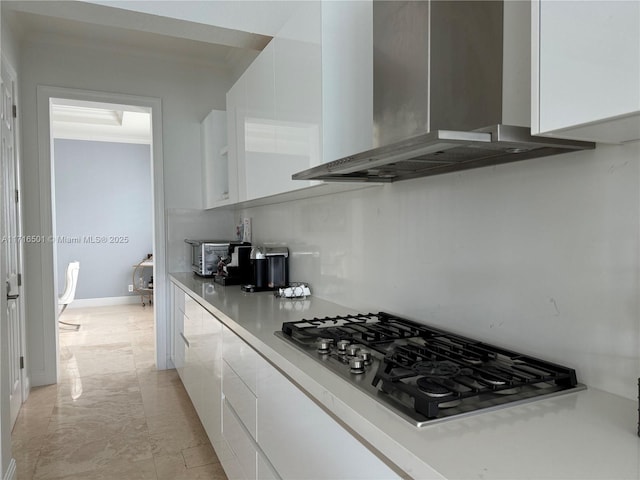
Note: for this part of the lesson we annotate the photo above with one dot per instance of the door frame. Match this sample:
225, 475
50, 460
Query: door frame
50, 294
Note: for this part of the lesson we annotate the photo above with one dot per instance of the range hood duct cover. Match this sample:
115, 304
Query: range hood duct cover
438, 96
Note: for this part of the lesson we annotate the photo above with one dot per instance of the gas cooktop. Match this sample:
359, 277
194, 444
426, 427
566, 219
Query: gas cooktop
425, 374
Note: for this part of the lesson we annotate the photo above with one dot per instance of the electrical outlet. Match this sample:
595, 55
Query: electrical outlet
130, 288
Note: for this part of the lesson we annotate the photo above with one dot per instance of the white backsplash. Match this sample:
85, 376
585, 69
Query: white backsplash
540, 256
198, 225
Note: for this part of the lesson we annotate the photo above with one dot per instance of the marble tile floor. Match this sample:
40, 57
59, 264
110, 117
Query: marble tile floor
112, 415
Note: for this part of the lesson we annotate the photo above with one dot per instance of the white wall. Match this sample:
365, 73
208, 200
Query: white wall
9, 43
539, 256
187, 93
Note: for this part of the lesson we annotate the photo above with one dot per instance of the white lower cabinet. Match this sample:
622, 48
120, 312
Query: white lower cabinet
261, 425
245, 459
292, 436
244, 402
191, 372
303, 442
208, 351
177, 327
197, 347
239, 440
240, 369
243, 359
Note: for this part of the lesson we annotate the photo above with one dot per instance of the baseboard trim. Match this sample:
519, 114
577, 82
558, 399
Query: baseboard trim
11, 473
105, 301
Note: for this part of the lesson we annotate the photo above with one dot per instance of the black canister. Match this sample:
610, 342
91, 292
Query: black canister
260, 272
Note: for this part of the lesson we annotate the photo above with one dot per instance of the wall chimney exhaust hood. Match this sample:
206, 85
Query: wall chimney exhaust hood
438, 96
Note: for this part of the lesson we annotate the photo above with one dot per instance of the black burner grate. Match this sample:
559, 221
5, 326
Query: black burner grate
430, 369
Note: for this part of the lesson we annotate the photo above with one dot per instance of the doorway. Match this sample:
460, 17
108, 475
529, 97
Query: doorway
45, 98
102, 190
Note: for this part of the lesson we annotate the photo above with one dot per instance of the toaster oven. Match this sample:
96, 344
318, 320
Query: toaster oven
223, 258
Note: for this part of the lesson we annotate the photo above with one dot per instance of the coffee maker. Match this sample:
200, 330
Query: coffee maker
234, 269
270, 269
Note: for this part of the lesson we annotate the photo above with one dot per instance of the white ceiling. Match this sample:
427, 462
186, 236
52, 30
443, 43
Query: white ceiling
152, 34
265, 17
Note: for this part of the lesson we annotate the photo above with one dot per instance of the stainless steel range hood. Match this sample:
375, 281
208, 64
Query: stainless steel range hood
438, 95
438, 152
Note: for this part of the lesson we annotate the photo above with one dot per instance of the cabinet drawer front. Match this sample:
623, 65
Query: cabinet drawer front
192, 309
179, 345
240, 397
239, 441
316, 445
242, 358
178, 299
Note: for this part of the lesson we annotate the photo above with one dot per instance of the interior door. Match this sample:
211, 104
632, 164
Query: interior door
11, 238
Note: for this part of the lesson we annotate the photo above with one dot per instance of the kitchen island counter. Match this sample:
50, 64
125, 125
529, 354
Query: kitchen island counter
579, 435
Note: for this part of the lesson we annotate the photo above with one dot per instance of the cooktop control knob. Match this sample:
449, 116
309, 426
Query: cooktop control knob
366, 356
353, 349
356, 365
342, 346
324, 345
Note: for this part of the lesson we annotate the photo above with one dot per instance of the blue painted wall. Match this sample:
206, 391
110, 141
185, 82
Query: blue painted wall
103, 213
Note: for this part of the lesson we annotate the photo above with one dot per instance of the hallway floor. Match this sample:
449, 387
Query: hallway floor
112, 415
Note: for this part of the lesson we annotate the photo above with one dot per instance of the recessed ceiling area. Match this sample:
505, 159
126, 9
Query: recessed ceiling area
101, 122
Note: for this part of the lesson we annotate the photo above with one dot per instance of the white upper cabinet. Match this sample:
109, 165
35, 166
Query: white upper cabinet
219, 178
586, 70
236, 106
279, 133
306, 99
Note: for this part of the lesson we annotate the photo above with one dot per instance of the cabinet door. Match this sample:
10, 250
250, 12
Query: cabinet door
256, 173
304, 442
298, 96
209, 358
177, 326
587, 65
191, 374
242, 400
240, 443
236, 117
283, 122
217, 186
241, 358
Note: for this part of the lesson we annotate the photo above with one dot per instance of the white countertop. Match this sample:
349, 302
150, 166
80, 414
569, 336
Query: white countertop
590, 434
